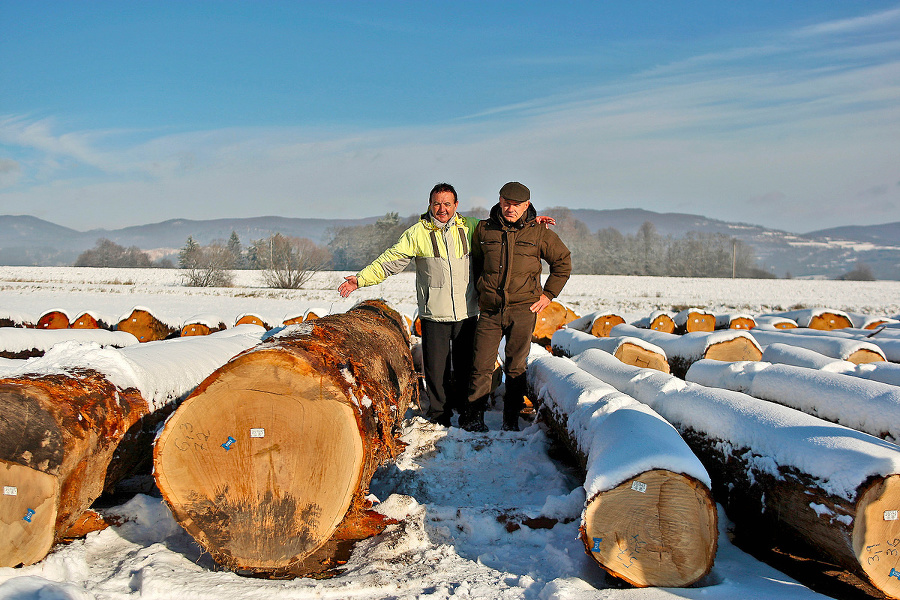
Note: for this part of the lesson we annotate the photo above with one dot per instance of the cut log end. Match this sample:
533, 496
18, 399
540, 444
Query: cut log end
864, 356
876, 534
828, 321
663, 323
553, 317
271, 472
602, 326
742, 323
637, 356
700, 322
28, 510
739, 348
657, 529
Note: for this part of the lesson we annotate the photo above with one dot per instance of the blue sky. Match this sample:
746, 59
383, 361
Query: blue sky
784, 114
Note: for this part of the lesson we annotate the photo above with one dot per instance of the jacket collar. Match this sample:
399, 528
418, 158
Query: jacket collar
497, 217
431, 223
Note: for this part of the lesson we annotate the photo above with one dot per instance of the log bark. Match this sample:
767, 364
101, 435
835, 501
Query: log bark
655, 528
782, 474
267, 464
554, 316
146, 327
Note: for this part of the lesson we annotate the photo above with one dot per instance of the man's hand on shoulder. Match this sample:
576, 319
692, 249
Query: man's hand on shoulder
349, 285
545, 220
541, 304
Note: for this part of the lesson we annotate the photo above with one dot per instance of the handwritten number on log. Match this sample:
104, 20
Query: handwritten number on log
190, 439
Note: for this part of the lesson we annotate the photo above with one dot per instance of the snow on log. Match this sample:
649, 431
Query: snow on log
868, 406
888, 340
53, 319
870, 321
781, 472
250, 319
818, 318
826, 343
27, 343
201, 325
658, 320
78, 419
682, 350
735, 321
554, 316
597, 323
14, 319
314, 313
885, 372
146, 327
268, 463
691, 320
649, 517
775, 322
630, 350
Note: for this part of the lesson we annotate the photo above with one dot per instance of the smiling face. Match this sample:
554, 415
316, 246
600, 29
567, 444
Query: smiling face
513, 211
443, 206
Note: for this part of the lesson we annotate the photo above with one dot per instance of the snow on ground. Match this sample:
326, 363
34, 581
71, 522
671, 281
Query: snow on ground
460, 498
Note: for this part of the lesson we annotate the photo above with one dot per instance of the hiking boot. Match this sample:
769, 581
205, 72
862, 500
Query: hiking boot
510, 423
472, 419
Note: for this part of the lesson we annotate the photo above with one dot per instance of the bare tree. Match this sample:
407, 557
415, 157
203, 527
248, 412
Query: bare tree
288, 262
206, 266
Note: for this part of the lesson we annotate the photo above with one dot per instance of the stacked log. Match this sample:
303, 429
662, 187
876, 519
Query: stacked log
53, 319
683, 350
80, 420
554, 316
29, 343
868, 406
630, 350
146, 327
780, 472
649, 518
267, 464
828, 344
597, 323
735, 321
658, 320
692, 320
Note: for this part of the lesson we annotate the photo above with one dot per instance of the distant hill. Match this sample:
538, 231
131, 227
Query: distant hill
26, 240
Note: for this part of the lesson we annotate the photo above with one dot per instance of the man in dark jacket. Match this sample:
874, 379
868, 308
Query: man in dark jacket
507, 250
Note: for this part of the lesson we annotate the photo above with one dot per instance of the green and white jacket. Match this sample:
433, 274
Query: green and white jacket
444, 288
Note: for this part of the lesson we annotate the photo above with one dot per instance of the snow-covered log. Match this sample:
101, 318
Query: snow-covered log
885, 372
251, 319
315, 313
56, 318
201, 325
597, 323
630, 350
267, 464
870, 321
888, 340
775, 322
818, 318
145, 326
554, 316
823, 342
735, 321
78, 419
649, 517
10, 318
682, 350
868, 406
658, 320
89, 319
781, 472
692, 320
27, 343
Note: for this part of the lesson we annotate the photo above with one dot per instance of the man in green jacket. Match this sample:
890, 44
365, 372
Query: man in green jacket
507, 253
440, 243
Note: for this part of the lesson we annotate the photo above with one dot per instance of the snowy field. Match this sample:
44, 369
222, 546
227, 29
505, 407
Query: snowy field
453, 492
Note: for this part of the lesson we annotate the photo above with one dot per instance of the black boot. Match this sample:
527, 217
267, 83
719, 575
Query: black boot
513, 401
472, 417
510, 422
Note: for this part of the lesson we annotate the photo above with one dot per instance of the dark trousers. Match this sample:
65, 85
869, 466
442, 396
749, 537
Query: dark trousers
516, 324
447, 362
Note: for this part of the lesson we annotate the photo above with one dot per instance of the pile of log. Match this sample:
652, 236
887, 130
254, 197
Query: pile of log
82, 419
267, 464
781, 472
649, 518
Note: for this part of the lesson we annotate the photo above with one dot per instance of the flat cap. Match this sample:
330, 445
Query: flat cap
515, 192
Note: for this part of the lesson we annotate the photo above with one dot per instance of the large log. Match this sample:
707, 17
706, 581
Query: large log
649, 517
886, 340
53, 319
782, 473
554, 316
683, 350
267, 464
597, 323
828, 343
82, 418
29, 343
735, 321
630, 350
885, 372
691, 320
658, 320
818, 318
145, 326
869, 406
